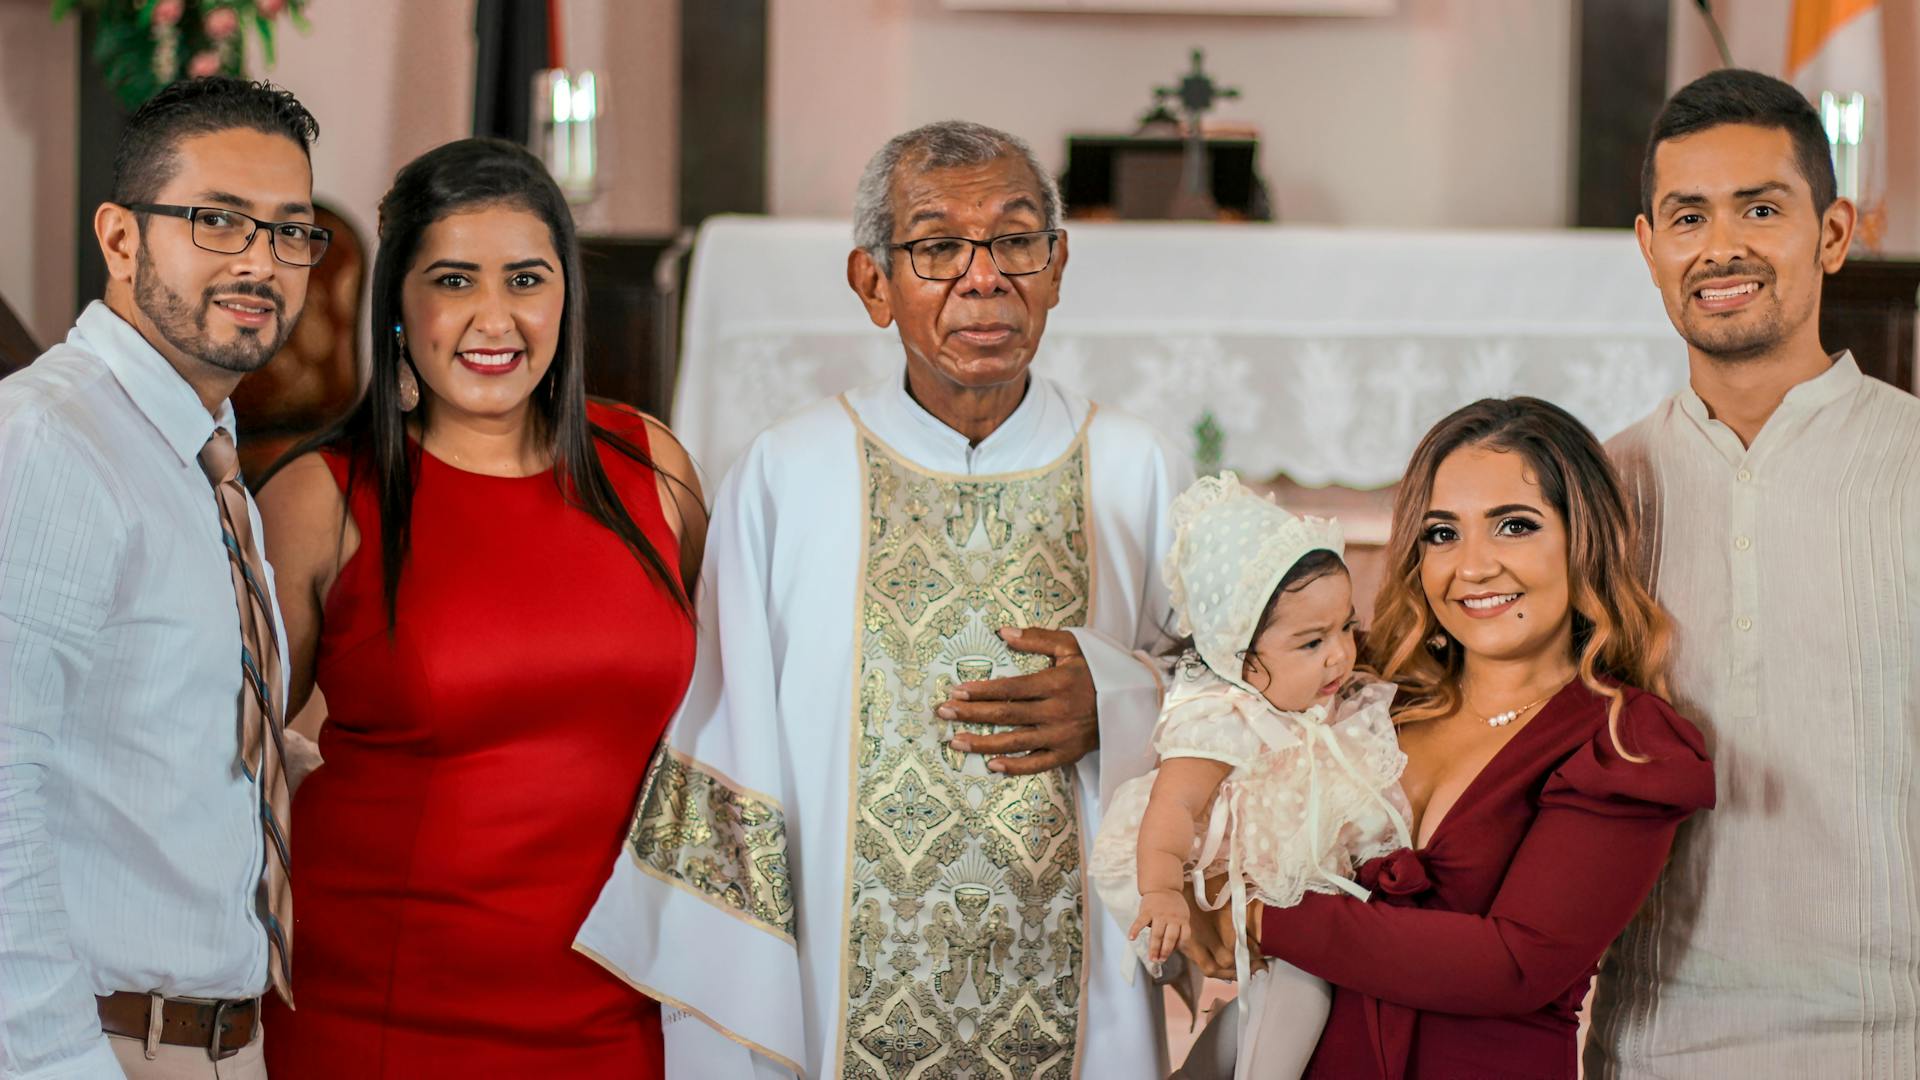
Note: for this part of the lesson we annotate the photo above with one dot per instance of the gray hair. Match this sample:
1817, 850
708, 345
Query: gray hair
944, 145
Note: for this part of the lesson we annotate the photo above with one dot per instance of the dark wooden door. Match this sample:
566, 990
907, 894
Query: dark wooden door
1869, 307
633, 316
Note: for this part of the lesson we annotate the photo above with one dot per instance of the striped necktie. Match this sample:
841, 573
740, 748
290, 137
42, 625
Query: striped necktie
262, 705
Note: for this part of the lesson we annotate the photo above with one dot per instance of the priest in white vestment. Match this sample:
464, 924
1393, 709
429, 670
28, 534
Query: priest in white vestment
926, 618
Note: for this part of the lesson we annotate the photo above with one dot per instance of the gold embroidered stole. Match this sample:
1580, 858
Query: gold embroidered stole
966, 905
727, 844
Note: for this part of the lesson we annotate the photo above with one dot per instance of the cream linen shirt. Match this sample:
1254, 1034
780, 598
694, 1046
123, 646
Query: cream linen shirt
1784, 938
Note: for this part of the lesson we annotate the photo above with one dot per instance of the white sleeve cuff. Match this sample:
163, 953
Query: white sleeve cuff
1127, 688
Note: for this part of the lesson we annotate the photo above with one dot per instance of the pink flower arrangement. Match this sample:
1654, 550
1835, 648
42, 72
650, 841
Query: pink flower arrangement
142, 45
221, 23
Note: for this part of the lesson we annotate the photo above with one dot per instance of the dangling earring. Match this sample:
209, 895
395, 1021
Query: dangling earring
409, 386
1439, 641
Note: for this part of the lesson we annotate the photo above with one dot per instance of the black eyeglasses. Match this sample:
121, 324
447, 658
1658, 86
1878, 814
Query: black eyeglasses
230, 232
944, 258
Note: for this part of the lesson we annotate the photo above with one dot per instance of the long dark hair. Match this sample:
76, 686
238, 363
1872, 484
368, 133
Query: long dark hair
465, 175
1619, 629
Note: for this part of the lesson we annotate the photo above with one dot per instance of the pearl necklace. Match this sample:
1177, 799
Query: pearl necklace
1508, 717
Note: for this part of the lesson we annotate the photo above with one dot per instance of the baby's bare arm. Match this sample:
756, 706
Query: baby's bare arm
1182, 793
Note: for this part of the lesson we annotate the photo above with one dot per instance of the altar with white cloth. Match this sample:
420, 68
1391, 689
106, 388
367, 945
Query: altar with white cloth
1321, 354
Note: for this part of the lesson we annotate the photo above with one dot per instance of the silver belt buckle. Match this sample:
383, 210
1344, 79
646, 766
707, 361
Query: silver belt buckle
213, 1039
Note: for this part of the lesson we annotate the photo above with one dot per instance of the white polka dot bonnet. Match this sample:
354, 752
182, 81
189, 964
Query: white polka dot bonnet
1230, 549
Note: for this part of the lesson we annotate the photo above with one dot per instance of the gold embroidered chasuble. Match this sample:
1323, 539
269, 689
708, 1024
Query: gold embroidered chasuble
966, 906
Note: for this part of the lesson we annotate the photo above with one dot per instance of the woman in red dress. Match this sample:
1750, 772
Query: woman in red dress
488, 577
1547, 782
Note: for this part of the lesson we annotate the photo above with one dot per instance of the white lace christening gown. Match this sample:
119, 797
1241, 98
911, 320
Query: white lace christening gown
1312, 795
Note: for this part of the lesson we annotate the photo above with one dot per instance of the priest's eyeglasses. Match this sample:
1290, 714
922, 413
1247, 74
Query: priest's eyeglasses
230, 232
945, 258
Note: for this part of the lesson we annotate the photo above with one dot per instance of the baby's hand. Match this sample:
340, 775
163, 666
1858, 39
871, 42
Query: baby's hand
1165, 910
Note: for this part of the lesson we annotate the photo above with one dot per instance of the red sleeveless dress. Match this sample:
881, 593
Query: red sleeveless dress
481, 769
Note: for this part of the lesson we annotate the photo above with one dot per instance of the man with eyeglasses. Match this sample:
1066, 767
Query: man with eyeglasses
143, 858
862, 853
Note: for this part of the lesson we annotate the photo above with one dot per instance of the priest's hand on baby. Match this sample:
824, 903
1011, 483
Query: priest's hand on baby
1054, 709
1163, 913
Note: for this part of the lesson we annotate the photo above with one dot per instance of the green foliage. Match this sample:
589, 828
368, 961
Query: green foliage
137, 54
1209, 444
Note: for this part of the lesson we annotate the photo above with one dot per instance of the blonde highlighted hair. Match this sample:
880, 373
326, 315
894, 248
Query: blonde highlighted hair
1620, 633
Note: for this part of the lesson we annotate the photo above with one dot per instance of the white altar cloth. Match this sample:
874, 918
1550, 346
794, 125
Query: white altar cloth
1321, 353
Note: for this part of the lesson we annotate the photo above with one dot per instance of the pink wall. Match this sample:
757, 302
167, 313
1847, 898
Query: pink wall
1444, 113
391, 80
37, 149
386, 80
634, 46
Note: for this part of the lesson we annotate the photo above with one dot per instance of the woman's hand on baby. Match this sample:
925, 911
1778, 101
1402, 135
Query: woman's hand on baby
1206, 947
1164, 912
1220, 928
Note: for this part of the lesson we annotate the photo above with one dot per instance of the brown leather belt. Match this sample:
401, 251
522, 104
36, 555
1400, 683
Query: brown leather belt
221, 1028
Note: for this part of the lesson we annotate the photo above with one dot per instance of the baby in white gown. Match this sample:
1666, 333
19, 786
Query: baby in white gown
1278, 768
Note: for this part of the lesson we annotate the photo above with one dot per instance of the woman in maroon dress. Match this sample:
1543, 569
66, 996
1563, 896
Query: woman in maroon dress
488, 577
1546, 780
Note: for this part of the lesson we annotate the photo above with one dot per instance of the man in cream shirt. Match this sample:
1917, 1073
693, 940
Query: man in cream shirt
1780, 499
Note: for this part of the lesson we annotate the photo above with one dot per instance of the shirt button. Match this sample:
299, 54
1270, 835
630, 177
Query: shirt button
1746, 476
1743, 623
1742, 543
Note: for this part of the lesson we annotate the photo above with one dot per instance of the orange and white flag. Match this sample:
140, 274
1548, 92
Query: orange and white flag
1836, 56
